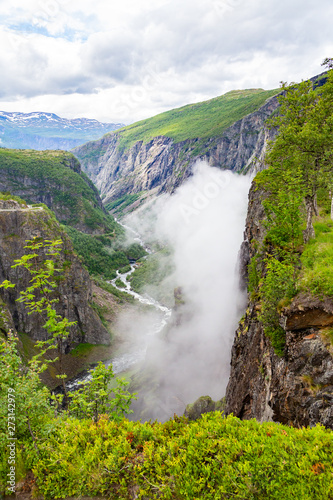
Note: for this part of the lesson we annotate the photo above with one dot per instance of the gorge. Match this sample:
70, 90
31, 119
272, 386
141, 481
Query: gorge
192, 224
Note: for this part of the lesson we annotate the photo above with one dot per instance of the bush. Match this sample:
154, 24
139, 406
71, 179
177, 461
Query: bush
211, 458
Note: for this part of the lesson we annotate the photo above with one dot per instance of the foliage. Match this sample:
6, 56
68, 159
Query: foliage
119, 283
317, 262
304, 145
95, 256
278, 284
210, 458
71, 194
201, 120
152, 271
135, 251
299, 170
117, 206
31, 413
122, 297
36, 412
39, 298
95, 398
283, 209
8, 196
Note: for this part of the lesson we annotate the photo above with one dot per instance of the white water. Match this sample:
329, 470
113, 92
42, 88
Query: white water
137, 351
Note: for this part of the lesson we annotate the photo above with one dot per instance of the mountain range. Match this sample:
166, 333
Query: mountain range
41, 130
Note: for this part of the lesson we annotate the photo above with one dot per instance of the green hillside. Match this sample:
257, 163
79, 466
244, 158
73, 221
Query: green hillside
55, 178
201, 120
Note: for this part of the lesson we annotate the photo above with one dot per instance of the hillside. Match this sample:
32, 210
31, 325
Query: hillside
48, 131
157, 154
55, 178
201, 120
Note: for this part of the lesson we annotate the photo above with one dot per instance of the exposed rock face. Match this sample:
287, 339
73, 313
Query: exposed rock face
18, 224
297, 388
161, 164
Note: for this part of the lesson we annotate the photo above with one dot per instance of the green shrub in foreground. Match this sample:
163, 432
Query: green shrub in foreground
212, 458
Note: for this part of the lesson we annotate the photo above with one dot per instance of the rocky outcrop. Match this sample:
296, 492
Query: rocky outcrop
296, 388
161, 164
19, 223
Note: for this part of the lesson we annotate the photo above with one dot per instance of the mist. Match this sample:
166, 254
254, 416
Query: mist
202, 223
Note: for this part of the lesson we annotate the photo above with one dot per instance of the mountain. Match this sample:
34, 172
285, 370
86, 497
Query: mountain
48, 131
55, 178
157, 154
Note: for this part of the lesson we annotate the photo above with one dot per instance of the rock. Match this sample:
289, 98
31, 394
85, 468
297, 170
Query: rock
307, 311
161, 165
74, 292
297, 388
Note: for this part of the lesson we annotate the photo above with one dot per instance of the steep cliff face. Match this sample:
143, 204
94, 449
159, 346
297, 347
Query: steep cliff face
297, 388
19, 223
162, 164
55, 178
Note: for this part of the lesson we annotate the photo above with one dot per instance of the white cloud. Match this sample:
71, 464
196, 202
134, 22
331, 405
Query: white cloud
96, 58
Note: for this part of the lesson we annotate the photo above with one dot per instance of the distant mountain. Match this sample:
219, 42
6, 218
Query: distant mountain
157, 154
48, 131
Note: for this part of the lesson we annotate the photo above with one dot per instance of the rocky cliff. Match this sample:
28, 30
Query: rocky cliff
296, 388
161, 164
19, 223
55, 178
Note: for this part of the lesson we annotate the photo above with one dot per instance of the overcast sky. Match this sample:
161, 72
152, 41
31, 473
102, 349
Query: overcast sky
125, 60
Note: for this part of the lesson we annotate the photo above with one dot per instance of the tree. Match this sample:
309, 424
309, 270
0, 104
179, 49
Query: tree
40, 298
95, 397
305, 141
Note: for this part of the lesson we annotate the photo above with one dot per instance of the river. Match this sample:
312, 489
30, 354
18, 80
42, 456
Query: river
136, 352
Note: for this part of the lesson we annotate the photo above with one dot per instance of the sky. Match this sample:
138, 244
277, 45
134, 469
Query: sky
122, 61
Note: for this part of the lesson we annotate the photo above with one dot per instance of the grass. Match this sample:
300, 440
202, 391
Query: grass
201, 120
70, 194
317, 261
82, 350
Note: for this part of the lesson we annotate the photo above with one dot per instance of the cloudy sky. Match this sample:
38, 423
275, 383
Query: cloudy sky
125, 60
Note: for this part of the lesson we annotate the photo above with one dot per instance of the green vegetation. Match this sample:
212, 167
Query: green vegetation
317, 262
120, 283
28, 411
7, 196
56, 177
299, 176
82, 350
211, 458
117, 206
98, 259
123, 297
201, 120
151, 272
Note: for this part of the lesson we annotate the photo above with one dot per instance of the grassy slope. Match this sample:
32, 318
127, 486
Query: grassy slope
50, 171
201, 120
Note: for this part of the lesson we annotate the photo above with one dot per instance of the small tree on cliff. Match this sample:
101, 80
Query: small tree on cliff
40, 298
